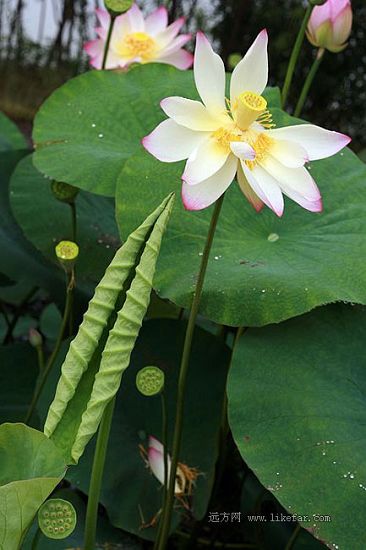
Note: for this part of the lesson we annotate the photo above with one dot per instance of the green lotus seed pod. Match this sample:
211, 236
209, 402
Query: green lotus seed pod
67, 253
65, 521
116, 7
63, 191
150, 380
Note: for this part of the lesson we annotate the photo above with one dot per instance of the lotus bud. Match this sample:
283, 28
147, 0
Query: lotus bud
63, 191
330, 25
35, 338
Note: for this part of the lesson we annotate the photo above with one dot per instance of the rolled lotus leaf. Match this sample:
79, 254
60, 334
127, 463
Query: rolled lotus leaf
96, 318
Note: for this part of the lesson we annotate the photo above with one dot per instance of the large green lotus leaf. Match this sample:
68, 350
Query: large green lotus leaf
18, 374
10, 136
263, 269
30, 468
19, 260
297, 412
130, 492
46, 221
88, 128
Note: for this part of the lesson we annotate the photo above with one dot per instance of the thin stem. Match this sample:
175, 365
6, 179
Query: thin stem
295, 55
73, 221
167, 512
293, 537
46, 371
308, 81
97, 476
109, 36
164, 422
40, 357
18, 313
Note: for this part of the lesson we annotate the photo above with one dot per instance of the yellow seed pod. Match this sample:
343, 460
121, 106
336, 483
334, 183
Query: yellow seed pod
67, 253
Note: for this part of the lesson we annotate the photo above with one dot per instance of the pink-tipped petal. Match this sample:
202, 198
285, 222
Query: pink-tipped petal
136, 19
104, 18
156, 444
242, 150
176, 44
209, 75
157, 21
317, 142
202, 195
248, 191
170, 142
164, 37
319, 15
94, 47
251, 73
189, 113
156, 462
342, 25
266, 187
204, 161
181, 59
296, 179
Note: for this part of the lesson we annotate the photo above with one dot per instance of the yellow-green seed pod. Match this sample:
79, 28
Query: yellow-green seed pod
150, 381
57, 518
116, 7
64, 192
67, 253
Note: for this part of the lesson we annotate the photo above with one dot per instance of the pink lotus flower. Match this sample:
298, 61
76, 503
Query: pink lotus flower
330, 25
138, 40
185, 477
223, 138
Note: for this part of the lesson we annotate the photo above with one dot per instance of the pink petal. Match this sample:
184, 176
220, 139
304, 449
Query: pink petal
180, 59
164, 37
175, 45
94, 47
103, 17
342, 26
136, 19
248, 191
319, 15
156, 21
265, 187
202, 195
337, 7
204, 162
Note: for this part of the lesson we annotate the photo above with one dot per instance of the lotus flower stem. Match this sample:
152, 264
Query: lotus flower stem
168, 508
295, 55
109, 36
97, 476
308, 81
164, 422
46, 371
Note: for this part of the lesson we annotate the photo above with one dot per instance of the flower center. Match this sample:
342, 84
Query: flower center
248, 108
261, 144
223, 137
138, 44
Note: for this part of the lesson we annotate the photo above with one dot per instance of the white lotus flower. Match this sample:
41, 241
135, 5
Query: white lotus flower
221, 138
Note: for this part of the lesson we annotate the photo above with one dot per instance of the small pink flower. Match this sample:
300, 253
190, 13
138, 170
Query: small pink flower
330, 25
185, 477
139, 40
